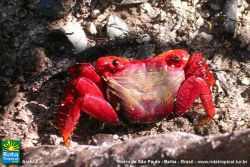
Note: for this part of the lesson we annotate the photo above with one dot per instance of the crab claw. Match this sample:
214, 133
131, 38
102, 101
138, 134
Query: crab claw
84, 94
93, 105
198, 81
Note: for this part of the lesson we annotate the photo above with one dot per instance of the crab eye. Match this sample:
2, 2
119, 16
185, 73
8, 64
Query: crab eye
176, 59
115, 62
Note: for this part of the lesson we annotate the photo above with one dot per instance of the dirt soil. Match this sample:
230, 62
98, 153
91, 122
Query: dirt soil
35, 56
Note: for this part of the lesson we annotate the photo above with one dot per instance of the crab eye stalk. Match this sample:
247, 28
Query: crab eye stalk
115, 63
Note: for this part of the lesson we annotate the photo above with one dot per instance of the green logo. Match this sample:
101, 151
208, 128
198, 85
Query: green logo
11, 151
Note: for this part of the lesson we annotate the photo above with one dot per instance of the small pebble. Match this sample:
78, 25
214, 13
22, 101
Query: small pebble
230, 11
104, 144
116, 27
206, 14
216, 116
3, 15
95, 13
207, 37
91, 28
115, 137
217, 83
241, 123
245, 81
156, 26
224, 126
147, 7
76, 36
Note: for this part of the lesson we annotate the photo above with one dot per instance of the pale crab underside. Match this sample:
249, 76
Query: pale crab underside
146, 90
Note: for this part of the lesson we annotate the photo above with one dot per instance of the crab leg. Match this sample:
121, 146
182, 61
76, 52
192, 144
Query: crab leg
82, 94
94, 106
191, 89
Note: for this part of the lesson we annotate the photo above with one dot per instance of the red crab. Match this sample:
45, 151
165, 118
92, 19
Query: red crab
138, 91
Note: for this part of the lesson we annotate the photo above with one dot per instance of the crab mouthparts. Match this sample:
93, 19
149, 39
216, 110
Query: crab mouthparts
145, 90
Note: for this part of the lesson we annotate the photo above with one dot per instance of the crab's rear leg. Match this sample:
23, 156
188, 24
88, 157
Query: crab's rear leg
198, 83
189, 91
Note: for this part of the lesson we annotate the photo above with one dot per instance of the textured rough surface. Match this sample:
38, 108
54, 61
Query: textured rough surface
148, 151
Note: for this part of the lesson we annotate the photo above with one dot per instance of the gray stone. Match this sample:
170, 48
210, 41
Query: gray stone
245, 81
76, 36
91, 28
207, 37
95, 13
231, 10
116, 27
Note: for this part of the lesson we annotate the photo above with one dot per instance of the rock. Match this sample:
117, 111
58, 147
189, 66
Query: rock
231, 10
95, 13
116, 27
245, 81
115, 137
207, 37
91, 28
206, 14
174, 147
76, 35
55, 8
148, 7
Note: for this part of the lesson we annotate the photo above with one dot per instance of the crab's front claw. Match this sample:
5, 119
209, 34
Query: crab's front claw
197, 84
83, 94
94, 106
